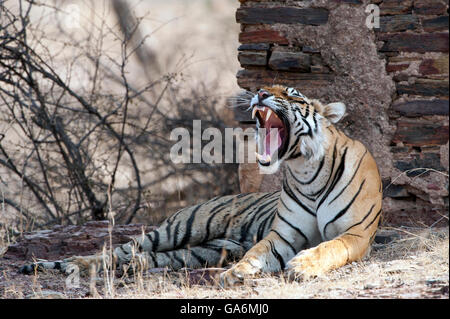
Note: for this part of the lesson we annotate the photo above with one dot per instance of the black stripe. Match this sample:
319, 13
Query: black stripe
313, 199
277, 255
57, 265
138, 246
243, 195
174, 256
345, 209
219, 208
351, 179
225, 230
216, 249
272, 217
295, 155
295, 144
350, 234
362, 220
297, 131
172, 218
255, 203
123, 250
373, 220
175, 235
315, 174
170, 221
290, 225
307, 111
287, 243
153, 257
247, 225
373, 236
336, 178
319, 192
156, 240
262, 226
150, 239
269, 210
199, 258
315, 121
289, 192
168, 228
213, 214
309, 129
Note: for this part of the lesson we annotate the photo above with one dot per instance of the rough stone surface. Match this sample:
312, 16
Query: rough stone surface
418, 133
424, 87
422, 107
288, 15
398, 23
290, 61
394, 81
258, 58
256, 78
434, 66
391, 7
435, 24
262, 36
66, 241
430, 7
411, 42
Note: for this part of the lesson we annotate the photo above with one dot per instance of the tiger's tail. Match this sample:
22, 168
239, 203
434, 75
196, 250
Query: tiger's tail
44, 265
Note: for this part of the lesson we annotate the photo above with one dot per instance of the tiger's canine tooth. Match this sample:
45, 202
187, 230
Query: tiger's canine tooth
262, 158
254, 112
269, 113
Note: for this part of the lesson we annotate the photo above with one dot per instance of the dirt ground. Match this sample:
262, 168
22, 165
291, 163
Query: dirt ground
406, 263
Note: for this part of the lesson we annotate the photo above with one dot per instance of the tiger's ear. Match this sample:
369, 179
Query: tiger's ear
334, 111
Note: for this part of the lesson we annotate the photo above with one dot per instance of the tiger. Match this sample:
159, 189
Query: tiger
325, 216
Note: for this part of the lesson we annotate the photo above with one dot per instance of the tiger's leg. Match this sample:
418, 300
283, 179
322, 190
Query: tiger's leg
29, 269
164, 238
291, 231
198, 224
82, 263
212, 253
352, 245
327, 256
186, 227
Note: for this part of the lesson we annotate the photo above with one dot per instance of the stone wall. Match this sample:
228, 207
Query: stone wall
394, 81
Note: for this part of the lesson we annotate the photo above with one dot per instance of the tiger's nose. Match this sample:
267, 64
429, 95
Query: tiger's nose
262, 95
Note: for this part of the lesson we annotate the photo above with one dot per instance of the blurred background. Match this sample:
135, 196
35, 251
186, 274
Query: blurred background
89, 93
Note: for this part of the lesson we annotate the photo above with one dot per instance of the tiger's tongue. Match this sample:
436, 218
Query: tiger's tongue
273, 141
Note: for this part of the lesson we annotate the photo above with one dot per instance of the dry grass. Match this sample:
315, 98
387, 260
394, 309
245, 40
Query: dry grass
414, 265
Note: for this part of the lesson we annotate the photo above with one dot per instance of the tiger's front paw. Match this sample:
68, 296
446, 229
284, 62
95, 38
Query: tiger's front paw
230, 278
84, 265
238, 273
305, 265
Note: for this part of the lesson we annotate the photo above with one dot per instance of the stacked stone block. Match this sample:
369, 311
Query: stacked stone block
411, 42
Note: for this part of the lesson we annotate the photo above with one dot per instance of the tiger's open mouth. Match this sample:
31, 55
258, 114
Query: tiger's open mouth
276, 133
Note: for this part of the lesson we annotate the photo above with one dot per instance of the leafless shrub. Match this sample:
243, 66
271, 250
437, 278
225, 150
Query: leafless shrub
79, 138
